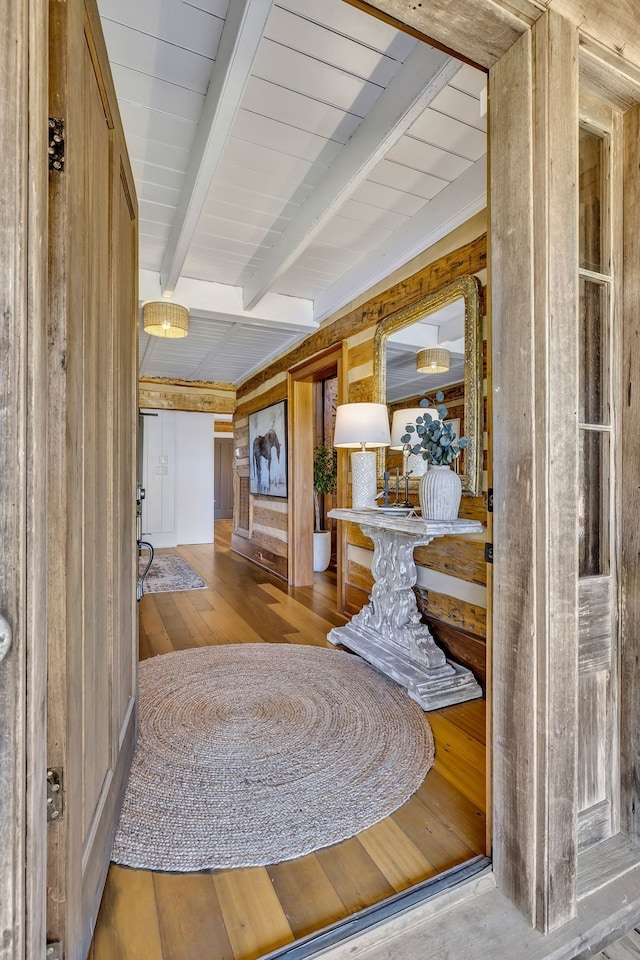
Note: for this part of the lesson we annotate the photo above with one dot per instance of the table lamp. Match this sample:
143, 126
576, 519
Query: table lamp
414, 461
364, 426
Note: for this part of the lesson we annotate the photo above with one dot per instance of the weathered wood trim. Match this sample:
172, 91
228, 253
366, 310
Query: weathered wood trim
481, 31
23, 267
608, 75
535, 571
198, 396
279, 392
478, 31
630, 490
594, 824
36, 407
555, 192
189, 384
381, 14
514, 701
223, 426
535, 518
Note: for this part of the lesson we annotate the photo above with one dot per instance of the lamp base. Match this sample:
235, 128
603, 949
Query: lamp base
363, 480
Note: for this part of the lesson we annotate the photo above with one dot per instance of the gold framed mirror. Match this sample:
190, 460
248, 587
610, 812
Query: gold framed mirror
449, 320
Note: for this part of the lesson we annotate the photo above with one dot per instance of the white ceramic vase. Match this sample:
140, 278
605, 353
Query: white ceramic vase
440, 491
321, 549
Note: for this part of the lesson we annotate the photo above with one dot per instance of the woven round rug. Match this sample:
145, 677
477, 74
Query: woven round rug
251, 754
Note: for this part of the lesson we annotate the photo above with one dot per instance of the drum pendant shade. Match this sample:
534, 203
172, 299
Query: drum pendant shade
162, 318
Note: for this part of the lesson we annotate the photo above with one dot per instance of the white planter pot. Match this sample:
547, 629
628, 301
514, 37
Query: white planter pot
321, 549
440, 491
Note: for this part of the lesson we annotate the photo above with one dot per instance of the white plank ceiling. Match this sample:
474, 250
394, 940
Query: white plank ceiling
287, 155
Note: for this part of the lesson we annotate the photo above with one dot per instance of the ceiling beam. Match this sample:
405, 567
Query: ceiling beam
423, 75
238, 46
458, 202
205, 298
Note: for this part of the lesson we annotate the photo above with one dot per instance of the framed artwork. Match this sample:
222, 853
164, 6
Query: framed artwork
268, 450
455, 426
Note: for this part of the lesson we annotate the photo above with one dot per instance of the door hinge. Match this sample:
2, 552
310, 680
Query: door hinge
55, 950
488, 553
56, 144
490, 500
55, 803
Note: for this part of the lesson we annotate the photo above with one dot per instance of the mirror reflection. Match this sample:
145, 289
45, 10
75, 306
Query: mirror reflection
435, 344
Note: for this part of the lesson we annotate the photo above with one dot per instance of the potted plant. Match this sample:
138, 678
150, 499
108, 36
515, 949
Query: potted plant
325, 472
440, 488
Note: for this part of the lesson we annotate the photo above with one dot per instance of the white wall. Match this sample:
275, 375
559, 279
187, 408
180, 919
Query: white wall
194, 477
178, 478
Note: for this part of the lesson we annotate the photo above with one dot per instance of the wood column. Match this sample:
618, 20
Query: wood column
534, 271
630, 486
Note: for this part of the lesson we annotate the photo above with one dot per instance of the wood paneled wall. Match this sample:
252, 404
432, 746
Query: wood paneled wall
452, 572
196, 396
260, 523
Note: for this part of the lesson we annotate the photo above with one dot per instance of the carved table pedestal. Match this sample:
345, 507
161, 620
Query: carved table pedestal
388, 631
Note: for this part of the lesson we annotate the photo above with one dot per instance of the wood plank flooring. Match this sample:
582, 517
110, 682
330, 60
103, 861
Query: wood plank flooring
243, 914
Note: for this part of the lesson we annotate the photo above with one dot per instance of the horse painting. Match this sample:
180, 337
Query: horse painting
268, 450
263, 448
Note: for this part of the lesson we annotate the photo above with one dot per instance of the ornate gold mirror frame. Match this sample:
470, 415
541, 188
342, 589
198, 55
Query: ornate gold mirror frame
468, 289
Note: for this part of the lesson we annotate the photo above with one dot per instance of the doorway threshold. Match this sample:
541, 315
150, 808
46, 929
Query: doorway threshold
364, 920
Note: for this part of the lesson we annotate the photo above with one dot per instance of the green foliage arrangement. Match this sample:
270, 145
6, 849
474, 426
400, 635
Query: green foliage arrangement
325, 473
436, 439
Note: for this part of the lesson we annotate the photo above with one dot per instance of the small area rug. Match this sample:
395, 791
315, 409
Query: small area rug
169, 573
251, 754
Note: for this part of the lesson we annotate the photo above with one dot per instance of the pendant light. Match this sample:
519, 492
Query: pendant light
433, 360
163, 318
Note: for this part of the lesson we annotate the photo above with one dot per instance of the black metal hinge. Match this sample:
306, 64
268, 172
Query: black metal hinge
490, 500
56, 144
54, 794
488, 553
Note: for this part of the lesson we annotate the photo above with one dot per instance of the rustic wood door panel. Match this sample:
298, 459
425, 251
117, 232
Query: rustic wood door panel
597, 725
92, 618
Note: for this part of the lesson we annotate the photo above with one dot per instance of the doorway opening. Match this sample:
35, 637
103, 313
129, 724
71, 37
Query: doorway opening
315, 388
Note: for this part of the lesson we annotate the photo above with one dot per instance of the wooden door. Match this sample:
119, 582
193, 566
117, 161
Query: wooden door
92, 377
23, 223
223, 479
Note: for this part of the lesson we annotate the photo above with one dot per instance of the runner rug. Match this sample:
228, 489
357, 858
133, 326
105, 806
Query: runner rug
169, 573
252, 754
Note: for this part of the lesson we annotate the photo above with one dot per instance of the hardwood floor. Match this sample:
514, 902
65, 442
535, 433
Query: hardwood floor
245, 913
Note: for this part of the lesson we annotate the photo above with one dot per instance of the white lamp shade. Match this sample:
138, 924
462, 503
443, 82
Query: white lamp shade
403, 417
399, 425
358, 423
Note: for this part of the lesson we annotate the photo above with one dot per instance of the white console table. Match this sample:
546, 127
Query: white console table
388, 631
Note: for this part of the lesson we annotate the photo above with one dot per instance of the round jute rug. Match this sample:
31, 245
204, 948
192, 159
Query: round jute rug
252, 754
